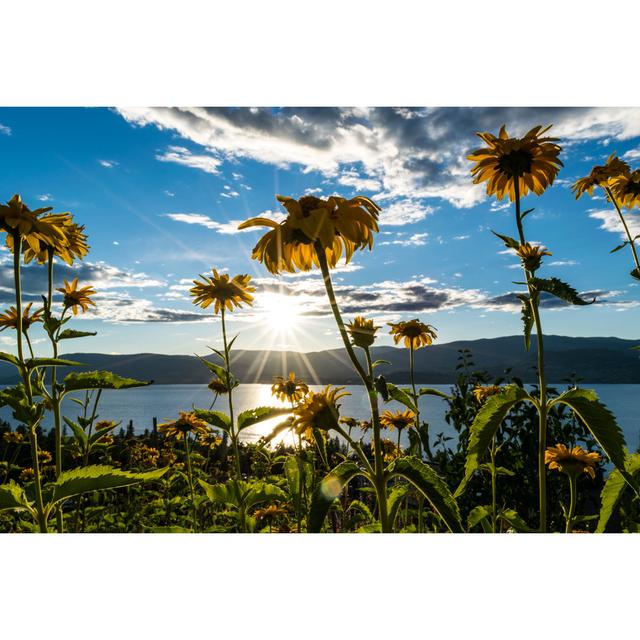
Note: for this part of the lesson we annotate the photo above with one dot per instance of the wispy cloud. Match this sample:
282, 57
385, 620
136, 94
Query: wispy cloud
416, 240
4, 130
228, 227
182, 155
45, 197
107, 164
611, 222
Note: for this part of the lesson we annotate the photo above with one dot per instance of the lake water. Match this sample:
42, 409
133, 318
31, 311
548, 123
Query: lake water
164, 401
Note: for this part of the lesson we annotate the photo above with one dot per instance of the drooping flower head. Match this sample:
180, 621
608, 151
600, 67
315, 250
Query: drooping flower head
483, 392
415, 334
224, 292
531, 255
187, 423
600, 176
399, 420
319, 410
626, 188
571, 461
531, 162
9, 319
219, 386
336, 224
289, 389
269, 514
362, 331
390, 450
74, 297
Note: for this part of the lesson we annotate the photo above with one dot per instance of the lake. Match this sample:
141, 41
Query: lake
141, 405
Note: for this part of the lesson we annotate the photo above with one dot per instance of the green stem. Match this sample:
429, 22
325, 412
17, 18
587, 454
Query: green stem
367, 379
494, 478
632, 245
573, 500
26, 377
194, 518
542, 408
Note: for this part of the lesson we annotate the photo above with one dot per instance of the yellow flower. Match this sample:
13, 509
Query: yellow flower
74, 297
362, 331
532, 161
17, 218
10, 318
415, 333
219, 386
143, 456
600, 176
186, 423
269, 513
318, 410
12, 437
289, 389
337, 225
44, 456
482, 393
390, 450
626, 188
27, 475
571, 461
222, 290
399, 420
531, 255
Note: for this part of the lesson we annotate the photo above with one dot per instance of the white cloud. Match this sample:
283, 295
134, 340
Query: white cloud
463, 237
351, 178
632, 154
168, 193
182, 155
611, 222
107, 164
416, 240
564, 263
4, 130
45, 197
229, 227
404, 212
229, 194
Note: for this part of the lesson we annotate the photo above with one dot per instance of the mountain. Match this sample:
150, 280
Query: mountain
596, 360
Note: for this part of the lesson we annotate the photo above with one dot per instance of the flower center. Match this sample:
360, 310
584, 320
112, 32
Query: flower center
516, 163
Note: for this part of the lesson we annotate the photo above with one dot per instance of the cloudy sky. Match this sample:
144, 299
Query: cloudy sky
161, 191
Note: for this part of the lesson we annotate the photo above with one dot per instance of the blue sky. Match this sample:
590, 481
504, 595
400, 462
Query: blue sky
161, 191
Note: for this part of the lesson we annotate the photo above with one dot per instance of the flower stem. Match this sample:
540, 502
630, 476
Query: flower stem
494, 482
367, 379
632, 245
542, 408
194, 518
573, 481
26, 377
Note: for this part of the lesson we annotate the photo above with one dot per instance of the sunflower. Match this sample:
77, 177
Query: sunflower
222, 290
12, 437
483, 392
17, 218
399, 420
219, 386
291, 388
269, 513
185, 424
74, 297
416, 334
571, 461
390, 450
362, 331
336, 224
27, 475
600, 176
531, 255
10, 318
531, 162
318, 410
626, 187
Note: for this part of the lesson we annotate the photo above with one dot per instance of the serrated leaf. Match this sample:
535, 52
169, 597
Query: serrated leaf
32, 363
477, 514
69, 334
426, 391
97, 478
219, 371
394, 501
7, 357
613, 489
401, 396
527, 319
12, 497
260, 414
377, 363
328, 490
100, 380
432, 487
214, 418
559, 289
509, 242
486, 424
599, 420
78, 432
511, 517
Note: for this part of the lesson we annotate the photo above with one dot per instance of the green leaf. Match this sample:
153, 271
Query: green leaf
635, 273
263, 492
100, 380
432, 486
215, 418
426, 391
485, 426
79, 433
377, 363
510, 243
511, 517
613, 488
599, 420
527, 319
278, 429
253, 416
246, 494
620, 246
68, 334
559, 289
401, 396
7, 357
12, 496
172, 529
97, 478
394, 501
328, 490
477, 514
219, 371
32, 363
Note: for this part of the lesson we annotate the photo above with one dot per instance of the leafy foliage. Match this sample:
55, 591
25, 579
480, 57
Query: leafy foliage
100, 380
560, 290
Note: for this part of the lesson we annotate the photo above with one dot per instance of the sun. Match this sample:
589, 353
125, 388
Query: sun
281, 312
